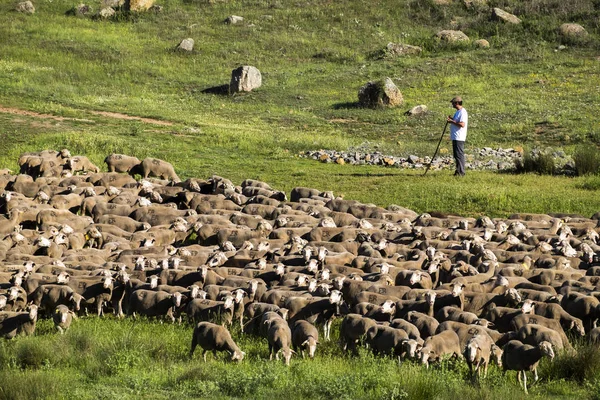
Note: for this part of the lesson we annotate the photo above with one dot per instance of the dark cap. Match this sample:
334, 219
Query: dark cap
456, 99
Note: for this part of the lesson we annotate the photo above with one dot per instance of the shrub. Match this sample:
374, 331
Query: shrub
587, 160
538, 161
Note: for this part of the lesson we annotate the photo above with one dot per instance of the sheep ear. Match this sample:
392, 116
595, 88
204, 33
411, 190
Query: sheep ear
304, 343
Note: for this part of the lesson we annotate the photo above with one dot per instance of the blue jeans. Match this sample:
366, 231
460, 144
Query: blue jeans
458, 149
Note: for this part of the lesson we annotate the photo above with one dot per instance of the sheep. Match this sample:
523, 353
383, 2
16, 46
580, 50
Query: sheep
216, 338
153, 304
120, 162
478, 351
155, 167
62, 318
205, 310
520, 357
533, 334
48, 297
15, 323
353, 329
426, 325
279, 337
526, 319
386, 340
306, 337
435, 347
579, 305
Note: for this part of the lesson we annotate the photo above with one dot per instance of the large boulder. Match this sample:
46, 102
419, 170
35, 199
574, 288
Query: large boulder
25, 7
417, 110
501, 15
380, 93
186, 45
245, 79
399, 49
139, 5
572, 31
451, 36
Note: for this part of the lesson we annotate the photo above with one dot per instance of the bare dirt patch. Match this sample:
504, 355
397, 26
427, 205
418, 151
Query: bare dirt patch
17, 111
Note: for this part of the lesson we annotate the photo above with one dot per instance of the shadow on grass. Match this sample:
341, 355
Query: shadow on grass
222, 90
346, 106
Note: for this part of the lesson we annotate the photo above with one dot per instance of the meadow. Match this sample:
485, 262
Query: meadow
60, 76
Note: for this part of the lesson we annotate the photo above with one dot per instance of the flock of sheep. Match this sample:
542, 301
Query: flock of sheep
75, 240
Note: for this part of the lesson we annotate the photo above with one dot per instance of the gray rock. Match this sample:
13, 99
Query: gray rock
81, 10
399, 49
417, 110
233, 19
413, 159
500, 15
25, 7
572, 31
245, 79
451, 36
186, 45
482, 43
380, 93
107, 12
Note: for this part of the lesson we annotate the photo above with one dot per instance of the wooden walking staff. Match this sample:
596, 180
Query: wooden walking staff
436, 149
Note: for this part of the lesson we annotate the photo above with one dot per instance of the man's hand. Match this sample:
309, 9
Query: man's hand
449, 119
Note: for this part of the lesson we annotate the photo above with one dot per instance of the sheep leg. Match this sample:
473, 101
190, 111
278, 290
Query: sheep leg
194, 344
525, 382
535, 375
60, 329
270, 352
204, 354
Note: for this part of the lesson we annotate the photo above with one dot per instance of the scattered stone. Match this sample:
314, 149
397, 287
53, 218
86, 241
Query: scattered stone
399, 49
417, 110
324, 158
233, 19
413, 159
389, 161
482, 43
340, 161
380, 93
561, 47
451, 36
572, 31
80, 10
156, 9
245, 79
25, 7
186, 45
139, 5
112, 3
107, 12
501, 15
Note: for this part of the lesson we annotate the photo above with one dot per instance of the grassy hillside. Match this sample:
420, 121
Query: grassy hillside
57, 71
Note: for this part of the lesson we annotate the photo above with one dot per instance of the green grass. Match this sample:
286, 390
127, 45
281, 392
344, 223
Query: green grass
314, 55
108, 358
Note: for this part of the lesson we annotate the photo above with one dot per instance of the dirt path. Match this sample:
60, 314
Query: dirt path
17, 111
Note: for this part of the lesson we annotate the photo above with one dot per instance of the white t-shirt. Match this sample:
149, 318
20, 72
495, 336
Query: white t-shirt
456, 132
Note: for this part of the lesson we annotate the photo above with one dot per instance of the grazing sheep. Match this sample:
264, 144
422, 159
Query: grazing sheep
478, 351
279, 337
120, 162
155, 167
154, 304
435, 347
386, 340
306, 337
353, 329
15, 323
216, 338
521, 357
62, 318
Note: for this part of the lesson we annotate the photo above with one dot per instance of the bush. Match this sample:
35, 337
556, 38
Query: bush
587, 160
538, 161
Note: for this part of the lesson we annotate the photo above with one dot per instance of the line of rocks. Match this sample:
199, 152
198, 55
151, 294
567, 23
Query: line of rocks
485, 158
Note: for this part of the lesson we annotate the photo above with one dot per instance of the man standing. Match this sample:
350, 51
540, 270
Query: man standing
458, 134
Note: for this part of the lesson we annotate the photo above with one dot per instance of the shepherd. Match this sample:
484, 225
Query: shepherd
458, 134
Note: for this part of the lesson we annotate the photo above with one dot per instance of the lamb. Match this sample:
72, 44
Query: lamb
443, 343
521, 357
216, 338
305, 336
62, 318
15, 323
